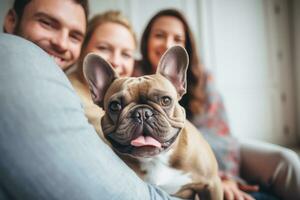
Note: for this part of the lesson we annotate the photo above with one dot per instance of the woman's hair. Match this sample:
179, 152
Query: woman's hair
113, 16
19, 6
193, 100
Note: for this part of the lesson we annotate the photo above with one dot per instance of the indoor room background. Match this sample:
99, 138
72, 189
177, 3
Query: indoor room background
252, 47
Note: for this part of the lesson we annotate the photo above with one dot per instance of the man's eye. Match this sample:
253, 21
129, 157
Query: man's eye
76, 38
46, 23
115, 106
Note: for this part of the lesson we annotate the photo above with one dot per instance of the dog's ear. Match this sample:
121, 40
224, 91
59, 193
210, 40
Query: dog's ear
99, 75
173, 66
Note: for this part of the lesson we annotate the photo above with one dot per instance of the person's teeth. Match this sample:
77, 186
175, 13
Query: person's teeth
56, 59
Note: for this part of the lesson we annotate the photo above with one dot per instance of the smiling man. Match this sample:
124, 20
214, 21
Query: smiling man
57, 26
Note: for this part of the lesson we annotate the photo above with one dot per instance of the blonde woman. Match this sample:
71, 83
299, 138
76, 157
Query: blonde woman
111, 36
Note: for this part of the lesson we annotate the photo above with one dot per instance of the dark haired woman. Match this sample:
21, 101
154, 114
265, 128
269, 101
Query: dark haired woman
258, 163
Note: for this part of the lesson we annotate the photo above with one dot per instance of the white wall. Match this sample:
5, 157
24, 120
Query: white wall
296, 54
4, 6
243, 39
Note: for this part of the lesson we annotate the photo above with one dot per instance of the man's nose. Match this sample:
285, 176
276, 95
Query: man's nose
60, 41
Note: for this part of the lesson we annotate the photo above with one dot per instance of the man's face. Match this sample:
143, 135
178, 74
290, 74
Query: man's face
57, 26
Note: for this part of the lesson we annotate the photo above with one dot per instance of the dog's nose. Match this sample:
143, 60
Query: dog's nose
141, 114
147, 113
136, 114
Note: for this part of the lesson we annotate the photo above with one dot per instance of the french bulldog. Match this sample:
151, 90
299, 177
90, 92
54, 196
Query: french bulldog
147, 127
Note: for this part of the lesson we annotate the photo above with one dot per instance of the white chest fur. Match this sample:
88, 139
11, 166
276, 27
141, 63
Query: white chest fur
159, 173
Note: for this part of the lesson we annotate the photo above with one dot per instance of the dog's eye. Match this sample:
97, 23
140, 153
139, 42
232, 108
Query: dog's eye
115, 106
166, 101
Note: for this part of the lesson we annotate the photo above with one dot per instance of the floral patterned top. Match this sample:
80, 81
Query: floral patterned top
214, 126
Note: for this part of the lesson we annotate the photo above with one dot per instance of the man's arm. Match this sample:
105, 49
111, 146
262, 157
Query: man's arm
48, 149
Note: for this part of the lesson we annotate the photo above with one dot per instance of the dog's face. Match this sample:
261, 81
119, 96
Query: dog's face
142, 115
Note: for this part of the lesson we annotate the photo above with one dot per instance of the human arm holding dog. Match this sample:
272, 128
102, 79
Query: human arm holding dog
49, 151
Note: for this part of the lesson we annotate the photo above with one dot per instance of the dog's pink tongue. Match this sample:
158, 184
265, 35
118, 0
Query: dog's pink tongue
145, 141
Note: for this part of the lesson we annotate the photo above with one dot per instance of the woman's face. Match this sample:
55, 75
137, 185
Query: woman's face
166, 31
115, 44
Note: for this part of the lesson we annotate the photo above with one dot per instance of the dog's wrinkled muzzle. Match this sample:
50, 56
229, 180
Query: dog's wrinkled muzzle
145, 132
